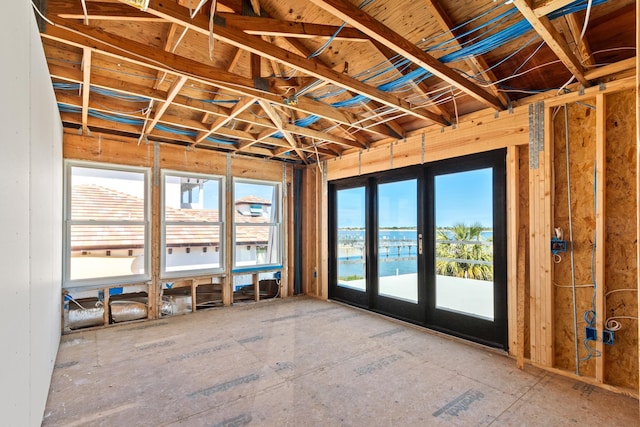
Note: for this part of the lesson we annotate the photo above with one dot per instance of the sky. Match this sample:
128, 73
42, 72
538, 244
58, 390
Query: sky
459, 197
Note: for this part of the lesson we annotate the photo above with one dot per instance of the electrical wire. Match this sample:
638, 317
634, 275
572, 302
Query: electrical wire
571, 251
611, 324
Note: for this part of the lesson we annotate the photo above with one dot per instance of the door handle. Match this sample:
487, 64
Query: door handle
419, 244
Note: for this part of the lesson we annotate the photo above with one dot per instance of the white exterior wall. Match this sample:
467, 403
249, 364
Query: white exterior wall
30, 219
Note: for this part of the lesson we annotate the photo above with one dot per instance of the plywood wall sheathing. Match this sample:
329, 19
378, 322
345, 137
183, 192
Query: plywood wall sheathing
621, 359
582, 123
598, 129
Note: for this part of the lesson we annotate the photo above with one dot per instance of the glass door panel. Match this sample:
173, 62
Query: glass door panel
351, 238
464, 243
398, 240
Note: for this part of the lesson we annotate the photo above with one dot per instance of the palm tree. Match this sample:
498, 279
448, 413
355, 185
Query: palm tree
462, 243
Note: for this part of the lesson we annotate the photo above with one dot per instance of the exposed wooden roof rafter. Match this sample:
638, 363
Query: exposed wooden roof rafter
378, 31
477, 63
174, 13
543, 26
86, 87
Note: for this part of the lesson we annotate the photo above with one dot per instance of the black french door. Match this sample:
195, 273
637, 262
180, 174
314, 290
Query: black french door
425, 244
466, 260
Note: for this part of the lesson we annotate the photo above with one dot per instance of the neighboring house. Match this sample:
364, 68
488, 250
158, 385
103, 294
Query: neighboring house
103, 250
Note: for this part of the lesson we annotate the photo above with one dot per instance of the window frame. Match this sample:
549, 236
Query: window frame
277, 207
164, 274
69, 223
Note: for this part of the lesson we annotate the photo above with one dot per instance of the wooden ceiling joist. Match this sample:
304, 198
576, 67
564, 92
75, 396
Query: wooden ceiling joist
174, 13
138, 53
261, 26
273, 115
86, 87
381, 33
476, 63
171, 94
543, 26
241, 106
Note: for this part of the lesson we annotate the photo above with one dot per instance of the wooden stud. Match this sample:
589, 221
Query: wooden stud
155, 286
601, 183
520, 316
533, 261
513, 198
546, 265
227, 287
323, 233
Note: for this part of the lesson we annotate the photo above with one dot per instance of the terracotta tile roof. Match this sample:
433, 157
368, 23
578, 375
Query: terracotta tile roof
93, 202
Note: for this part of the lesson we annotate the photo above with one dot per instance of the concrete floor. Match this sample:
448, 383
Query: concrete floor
302, 361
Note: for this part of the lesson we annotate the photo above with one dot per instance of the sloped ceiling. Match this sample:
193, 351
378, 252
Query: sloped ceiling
307, 80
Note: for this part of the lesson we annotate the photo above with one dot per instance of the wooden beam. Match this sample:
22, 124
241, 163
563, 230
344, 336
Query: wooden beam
98, 10
376, 30
610, 69
169, 47
241, 106
581, 45
138, 53
174, 13
421, 87
171, 94
543, 26
477, 63
273, 115
323, 136
263, 26
600, 253
86, 86
550, 6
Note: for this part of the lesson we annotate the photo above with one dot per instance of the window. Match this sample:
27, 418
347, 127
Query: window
193, 231
107, 224
257, 224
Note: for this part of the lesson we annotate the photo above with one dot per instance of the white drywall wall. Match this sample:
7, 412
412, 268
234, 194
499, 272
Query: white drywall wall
30, 219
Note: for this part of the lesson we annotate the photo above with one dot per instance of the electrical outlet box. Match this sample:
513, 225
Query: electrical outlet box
608, 337
591, 333
558, 246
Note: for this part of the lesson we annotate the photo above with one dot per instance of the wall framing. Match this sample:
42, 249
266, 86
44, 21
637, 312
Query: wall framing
532, 322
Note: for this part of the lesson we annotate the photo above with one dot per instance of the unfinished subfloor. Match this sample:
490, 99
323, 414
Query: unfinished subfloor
302, 361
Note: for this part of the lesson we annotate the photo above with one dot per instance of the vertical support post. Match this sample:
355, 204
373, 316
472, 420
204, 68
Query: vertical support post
194, 295
227, 285
541, 303
156, 238
286, 201
105, 302
546, 200
512, 246
601, 182
323, 234
255, 278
